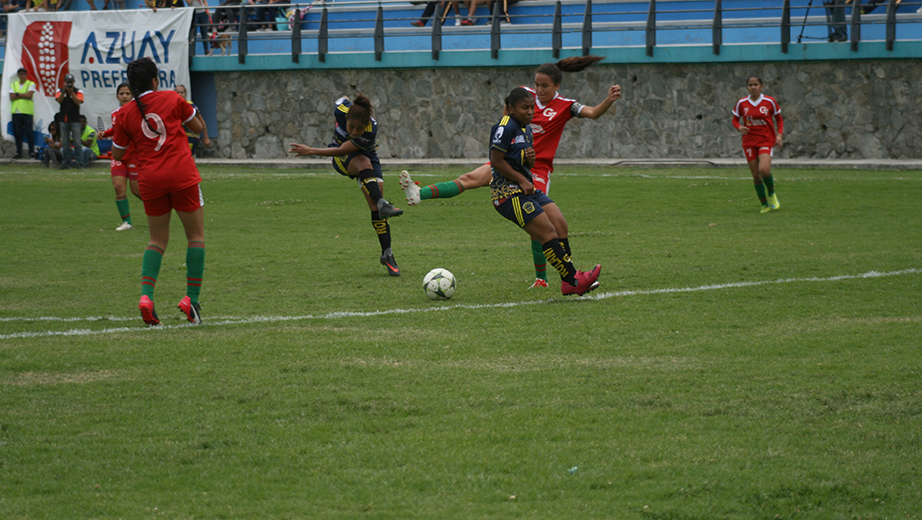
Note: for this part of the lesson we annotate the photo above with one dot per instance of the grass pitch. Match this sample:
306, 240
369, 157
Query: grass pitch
732, 365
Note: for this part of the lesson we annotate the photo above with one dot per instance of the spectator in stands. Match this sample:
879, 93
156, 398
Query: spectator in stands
23, 108
226, 14
163, 4
70, 99
201, 20
872, 4
88, 140
51, 156
835, 15
472, 11
440, 12
120, 4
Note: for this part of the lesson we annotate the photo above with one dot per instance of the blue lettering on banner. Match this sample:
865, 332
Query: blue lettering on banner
114, 36
145, 42
167, 79
91, 45
85, 77
120, 42
166, 45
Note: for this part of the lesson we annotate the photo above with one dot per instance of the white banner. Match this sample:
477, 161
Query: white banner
96, 47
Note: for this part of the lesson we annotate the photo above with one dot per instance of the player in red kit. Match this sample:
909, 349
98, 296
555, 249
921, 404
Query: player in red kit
552, 112
168, 180
758, 118
124, 171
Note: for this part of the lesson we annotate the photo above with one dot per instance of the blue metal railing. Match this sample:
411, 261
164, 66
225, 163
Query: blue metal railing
380, 26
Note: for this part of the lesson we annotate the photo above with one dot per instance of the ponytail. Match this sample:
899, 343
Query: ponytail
574, 64
141, 75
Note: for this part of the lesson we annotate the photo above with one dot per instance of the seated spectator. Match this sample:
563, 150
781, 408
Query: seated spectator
88, 139
442, 12
226, 14
472, 10
52, 156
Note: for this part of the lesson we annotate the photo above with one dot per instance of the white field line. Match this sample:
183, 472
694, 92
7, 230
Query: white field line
218, 321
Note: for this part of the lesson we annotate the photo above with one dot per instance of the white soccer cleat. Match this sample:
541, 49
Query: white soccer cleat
124, 227
410, 189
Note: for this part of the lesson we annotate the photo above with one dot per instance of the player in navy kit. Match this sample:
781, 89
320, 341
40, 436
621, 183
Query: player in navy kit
514, 196
354, 155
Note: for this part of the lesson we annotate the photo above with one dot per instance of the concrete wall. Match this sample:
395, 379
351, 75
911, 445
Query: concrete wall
850, 110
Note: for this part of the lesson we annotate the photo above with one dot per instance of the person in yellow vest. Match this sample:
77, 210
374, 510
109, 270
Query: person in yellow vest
23, 108
88, 140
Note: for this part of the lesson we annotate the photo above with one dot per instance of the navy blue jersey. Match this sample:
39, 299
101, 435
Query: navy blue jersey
366, 143
512, 140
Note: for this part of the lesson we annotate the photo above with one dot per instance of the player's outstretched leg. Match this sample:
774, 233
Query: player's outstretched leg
410, 189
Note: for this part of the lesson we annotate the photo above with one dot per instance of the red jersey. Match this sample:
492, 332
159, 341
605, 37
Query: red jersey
548, 124
105, 134
759, 117
164, 162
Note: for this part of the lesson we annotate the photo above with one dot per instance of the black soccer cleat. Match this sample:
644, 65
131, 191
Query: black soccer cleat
387, 210
387, 260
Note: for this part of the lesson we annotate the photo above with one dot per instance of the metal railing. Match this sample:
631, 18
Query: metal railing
387, 21
716, 20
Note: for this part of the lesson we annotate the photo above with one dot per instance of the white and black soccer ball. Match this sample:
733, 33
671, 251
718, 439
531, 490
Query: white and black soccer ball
439, 284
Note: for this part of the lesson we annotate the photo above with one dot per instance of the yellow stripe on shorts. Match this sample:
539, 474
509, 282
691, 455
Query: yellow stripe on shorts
517, 208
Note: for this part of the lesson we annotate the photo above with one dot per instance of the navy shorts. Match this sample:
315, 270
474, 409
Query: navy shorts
341, 164
522, 208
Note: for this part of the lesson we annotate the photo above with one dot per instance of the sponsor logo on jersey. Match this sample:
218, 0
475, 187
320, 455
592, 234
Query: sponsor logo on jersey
519, 139
498, 136
549, 113
537, 129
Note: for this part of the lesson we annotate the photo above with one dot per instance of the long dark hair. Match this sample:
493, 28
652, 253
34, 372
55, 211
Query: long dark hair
141, 75
361, 110
574, 64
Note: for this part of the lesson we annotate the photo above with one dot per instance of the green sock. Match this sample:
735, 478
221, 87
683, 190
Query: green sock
760, 191
123, 209
150, 270
442, 190
770, 184
195, 269
537, 254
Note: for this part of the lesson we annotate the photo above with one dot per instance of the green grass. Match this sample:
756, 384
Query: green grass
321, 388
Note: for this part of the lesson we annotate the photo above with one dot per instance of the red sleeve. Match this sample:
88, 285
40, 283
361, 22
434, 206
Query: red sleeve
186, 112
105, 134
780, 126
736, 122
120, 137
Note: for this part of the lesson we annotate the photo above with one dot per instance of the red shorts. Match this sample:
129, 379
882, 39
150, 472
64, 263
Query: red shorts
186, 200
120, 169
752, 152
542, 178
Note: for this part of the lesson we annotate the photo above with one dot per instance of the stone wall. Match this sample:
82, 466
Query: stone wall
848, 110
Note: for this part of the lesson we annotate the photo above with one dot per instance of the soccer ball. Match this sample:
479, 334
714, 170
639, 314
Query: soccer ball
439, 284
